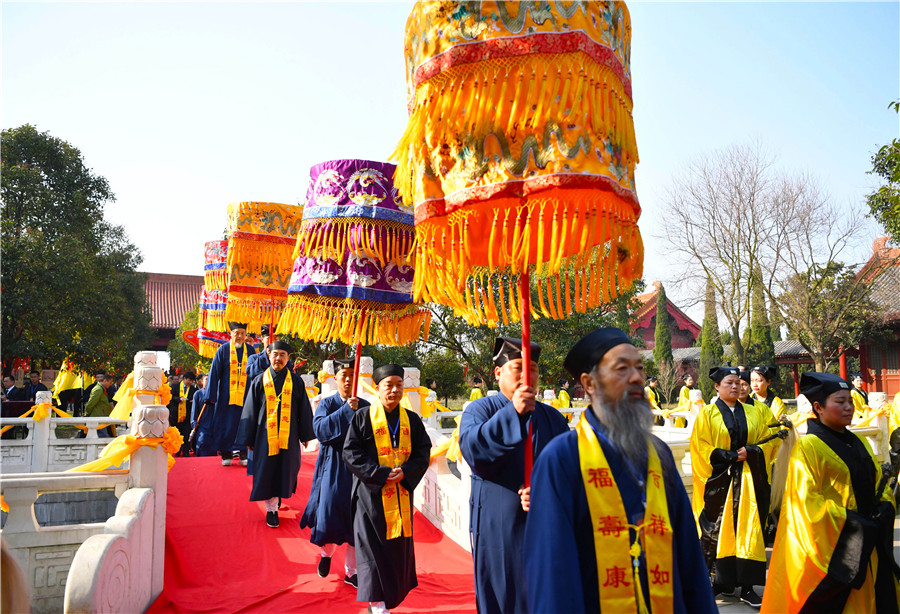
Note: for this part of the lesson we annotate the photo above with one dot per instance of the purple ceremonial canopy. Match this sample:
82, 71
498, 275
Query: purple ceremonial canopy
355, 199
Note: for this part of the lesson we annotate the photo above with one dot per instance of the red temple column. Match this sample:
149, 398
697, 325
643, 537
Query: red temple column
842, 360
796, 373
864, 366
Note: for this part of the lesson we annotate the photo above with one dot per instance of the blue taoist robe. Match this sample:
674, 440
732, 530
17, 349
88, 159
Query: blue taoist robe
275, 475
223, 418
492, 440
560, 563
328, 513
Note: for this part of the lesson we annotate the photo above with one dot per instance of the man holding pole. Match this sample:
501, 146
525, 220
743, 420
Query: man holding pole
225, 396
492, 437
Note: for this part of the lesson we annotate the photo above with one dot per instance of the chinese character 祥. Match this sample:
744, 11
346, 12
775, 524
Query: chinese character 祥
615, 576
657, 524
610, 525
600, 477
659, 577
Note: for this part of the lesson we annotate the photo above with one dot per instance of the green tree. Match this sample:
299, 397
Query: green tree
443, 366
884, 203
182, 354
711, 352
474, 344
829, 307
70, 286
662, 349
760, 346
405, 355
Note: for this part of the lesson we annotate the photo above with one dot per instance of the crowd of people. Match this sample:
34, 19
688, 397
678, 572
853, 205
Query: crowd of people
585, 519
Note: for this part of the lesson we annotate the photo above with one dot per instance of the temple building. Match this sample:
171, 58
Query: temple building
170, 298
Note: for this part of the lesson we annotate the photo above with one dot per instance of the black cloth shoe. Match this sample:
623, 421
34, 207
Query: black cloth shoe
272, 519
721, 588
352, 581
324, 566
749, 596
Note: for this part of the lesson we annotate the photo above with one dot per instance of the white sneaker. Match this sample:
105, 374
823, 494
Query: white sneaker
243, 462
226, 462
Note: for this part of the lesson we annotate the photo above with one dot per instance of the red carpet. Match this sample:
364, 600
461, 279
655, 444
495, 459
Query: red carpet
221, 556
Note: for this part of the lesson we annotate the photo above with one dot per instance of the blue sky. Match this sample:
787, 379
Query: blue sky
187, 107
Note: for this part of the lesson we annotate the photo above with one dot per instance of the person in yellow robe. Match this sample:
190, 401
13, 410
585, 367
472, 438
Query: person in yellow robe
476, 392
652, 393
684, 398
563, 400
760, 384
684, 395
859, 397
835, 533
731, 487
893, 412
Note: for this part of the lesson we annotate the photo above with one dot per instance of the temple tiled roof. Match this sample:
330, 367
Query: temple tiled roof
171, 296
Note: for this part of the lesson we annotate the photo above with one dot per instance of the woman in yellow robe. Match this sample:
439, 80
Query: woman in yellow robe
731, 486
833, 551
760, 383
860, 399
684, 395
652, 393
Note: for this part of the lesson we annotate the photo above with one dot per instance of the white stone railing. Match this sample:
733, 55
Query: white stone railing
443, 498
41, 450
46, 553
121, 570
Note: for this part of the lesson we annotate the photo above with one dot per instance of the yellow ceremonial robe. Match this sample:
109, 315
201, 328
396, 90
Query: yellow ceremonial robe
564, 401
811, 568
860, 406
894, 414
652, 397
730, 499
773, 402
475, 394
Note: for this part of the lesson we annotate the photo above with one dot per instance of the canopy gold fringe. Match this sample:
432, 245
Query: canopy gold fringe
320, 318
252, 309
581, 252
213, 320
216, 279
259, 263
382, 241
208, 348
514, 98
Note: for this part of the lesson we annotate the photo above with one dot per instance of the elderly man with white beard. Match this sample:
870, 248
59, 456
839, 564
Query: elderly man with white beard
610, 526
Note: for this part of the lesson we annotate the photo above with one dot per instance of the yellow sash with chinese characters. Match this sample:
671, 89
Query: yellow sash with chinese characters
617, 559
277, 431
237, 380
182, 405
394, 497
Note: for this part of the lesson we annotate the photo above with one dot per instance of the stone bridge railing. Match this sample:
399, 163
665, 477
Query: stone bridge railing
111, 566
42, 450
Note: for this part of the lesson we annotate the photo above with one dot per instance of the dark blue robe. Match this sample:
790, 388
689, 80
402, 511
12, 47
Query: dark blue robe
275, 475
560, 563
184, 426
328, 513
203, 435
259, 362
223, 418
386, 568
492, 440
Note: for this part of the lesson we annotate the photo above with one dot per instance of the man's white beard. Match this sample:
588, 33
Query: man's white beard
628, 423
238, 345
